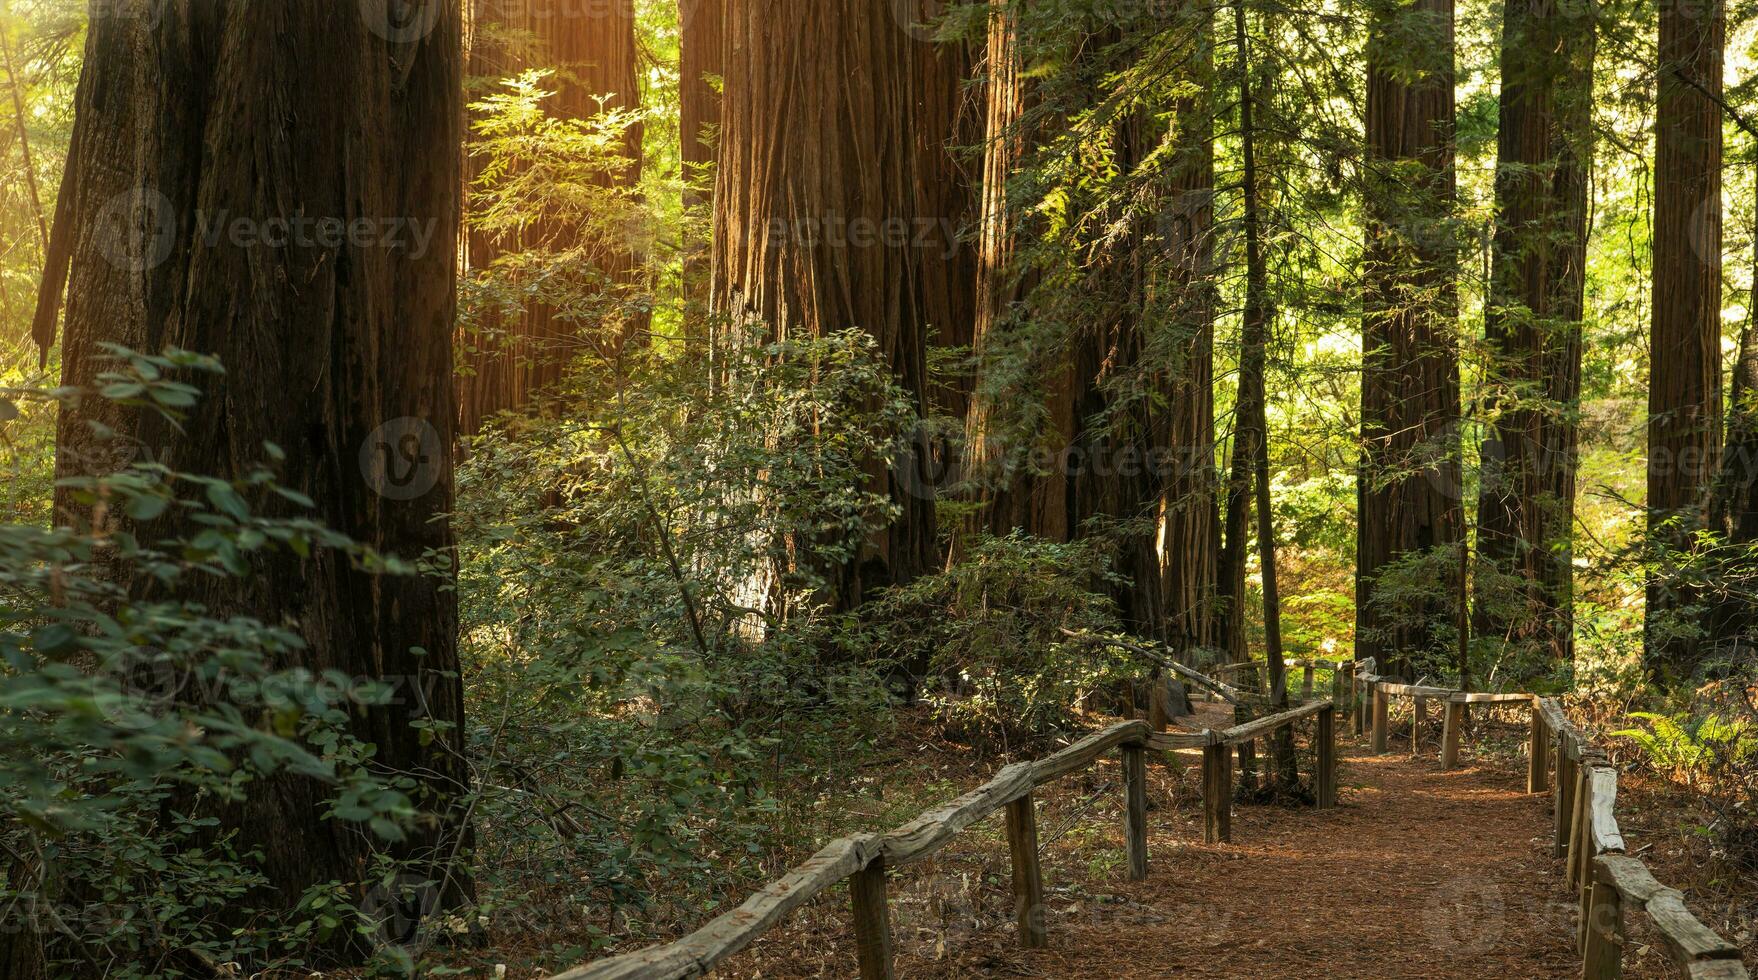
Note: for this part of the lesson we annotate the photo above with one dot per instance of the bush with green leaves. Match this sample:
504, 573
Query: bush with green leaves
126, 711
1000, 638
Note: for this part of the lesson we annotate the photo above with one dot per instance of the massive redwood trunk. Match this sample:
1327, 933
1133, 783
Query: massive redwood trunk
277, 124
815, 208
1526, 510
701, 59
1684, 388
1411, 473
592, 46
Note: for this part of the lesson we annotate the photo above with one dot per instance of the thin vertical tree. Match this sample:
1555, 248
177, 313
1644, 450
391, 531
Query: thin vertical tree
1190, 541
1685, 384
1411, 507
337, 348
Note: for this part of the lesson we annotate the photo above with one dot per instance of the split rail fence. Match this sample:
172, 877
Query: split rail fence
866, 861
1584, 794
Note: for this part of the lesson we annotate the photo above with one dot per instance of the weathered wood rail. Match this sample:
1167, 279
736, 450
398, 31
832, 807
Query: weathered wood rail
1562, 760
867, 860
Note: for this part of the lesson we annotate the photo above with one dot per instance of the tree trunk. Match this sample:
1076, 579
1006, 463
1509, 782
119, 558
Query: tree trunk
336, 348
815, 206
592, 46
1684, 389
1191, 527
1526, 509
1018, 472
1411, 481
701, 60
1253, 427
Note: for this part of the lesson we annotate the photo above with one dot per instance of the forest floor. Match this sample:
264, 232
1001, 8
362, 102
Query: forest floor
1417, 874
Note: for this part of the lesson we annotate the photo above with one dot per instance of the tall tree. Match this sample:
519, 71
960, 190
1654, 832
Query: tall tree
300, 224
1014, 459
592, 46
1685, 387
1532, 322
701, 54
818, 174
1190, 540
950, 112
1411, 483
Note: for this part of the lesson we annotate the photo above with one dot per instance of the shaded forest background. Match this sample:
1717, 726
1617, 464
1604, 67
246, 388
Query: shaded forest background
778, 412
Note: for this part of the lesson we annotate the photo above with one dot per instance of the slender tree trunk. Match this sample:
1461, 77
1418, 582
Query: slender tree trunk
1684, 389
949, 134
592, 46
1254, 430
1526, 509
337, 352
1006, 464
817, 143
1190, 542
1411, 481
701, 60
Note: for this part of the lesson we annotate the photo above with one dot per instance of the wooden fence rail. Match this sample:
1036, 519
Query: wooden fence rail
1583, 785
867, 860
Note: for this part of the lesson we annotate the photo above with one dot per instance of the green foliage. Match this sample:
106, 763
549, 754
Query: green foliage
129, 712
991, 635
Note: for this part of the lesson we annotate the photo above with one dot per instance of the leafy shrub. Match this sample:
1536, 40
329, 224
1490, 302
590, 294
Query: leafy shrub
990, 636
123, 706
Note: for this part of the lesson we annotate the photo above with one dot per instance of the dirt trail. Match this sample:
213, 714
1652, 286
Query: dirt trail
1418, 874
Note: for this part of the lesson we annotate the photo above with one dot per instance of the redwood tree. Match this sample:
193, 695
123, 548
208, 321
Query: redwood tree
1190, 541
818, 173
335, 346
1685, 387
592, 46
1532, 322
1410, 492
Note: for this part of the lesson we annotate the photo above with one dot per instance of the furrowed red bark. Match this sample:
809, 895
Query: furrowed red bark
195, 125
1685, 386
1526, 510
1411, 482
818, 141
592, 46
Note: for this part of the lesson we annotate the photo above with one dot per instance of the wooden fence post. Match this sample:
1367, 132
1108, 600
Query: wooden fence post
1565, 797
1135, 810
1359, 695
866, 889
1580, 837
1380, 710
1325, 779
1537, 761
1217, 794
1418, 718
1028, 877
1603, 932
1306, 683
1452, 733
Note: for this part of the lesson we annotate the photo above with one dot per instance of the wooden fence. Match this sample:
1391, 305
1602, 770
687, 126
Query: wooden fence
866, 861
1584, 795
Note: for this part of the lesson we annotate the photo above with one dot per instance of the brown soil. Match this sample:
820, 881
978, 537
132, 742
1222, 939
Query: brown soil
1418, 874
